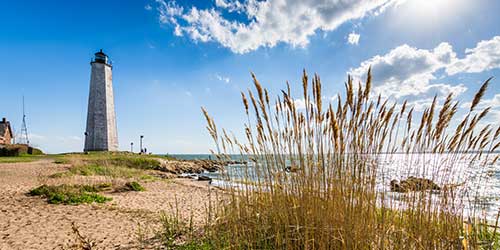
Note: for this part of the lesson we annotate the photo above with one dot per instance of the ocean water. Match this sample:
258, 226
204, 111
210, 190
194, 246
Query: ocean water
477, 182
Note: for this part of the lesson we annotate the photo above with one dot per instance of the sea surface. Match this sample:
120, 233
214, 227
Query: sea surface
479, 183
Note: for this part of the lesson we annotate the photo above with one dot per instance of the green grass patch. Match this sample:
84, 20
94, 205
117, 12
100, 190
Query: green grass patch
134, 186
21, 158
72, 194
134, 162
112, 171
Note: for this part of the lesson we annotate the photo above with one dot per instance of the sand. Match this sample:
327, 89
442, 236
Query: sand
31, 223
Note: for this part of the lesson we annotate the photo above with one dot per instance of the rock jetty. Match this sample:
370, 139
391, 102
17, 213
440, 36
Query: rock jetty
194, 166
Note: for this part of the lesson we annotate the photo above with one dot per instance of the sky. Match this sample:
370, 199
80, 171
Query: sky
170, 58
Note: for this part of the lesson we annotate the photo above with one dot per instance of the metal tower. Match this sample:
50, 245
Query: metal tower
24, 139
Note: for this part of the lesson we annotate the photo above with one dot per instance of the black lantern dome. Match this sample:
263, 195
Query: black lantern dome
100, 57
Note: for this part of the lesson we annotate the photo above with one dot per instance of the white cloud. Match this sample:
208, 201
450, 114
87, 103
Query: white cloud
300, 104
493, 115
494, 103
485, 56
225, 79
268, 22
353, 38
231, 6
406, 71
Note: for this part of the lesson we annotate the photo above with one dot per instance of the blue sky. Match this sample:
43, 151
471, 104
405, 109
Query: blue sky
171, 58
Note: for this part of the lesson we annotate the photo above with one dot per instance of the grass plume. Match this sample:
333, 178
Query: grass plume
313, 182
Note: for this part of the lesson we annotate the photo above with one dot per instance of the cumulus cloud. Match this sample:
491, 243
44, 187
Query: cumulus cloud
412, 73
268, 22
300, 104
231, 6
485, 56
494, 113
494, 103
353, 38
406, 71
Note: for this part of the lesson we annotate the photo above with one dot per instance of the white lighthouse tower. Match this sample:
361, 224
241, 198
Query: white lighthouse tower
101, 133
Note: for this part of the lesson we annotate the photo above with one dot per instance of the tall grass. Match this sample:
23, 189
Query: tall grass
316, 173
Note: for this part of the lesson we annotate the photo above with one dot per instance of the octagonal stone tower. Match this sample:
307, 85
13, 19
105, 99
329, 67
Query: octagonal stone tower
101, 133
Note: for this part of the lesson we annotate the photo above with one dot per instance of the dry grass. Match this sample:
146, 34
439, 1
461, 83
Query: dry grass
331, 200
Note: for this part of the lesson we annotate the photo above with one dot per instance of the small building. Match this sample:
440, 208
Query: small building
5, 132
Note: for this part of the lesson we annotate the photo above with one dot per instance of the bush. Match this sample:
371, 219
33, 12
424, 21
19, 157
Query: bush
18, 150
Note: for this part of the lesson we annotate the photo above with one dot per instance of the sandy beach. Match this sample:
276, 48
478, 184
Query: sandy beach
31, 223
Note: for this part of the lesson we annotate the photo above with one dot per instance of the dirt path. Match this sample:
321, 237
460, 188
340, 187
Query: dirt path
30, 223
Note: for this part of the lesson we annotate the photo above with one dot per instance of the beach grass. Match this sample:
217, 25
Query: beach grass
134, 186
72, 194
20, 159
331, 200
115, 165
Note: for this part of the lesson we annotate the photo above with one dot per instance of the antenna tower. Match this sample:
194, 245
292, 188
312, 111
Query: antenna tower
24, 129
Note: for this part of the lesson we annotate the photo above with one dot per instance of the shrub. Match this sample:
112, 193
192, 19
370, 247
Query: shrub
19, 150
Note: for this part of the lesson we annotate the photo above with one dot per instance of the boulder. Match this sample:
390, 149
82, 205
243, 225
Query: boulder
413, 184
291, 169
204, 178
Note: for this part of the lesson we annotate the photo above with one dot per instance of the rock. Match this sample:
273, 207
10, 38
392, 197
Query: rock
193, 166
204, 178
413, 184
395, 187
291, 169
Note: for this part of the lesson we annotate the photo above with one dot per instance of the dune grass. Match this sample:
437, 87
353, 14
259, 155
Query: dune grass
72, 194
331, 201
115, 165
134, 186
21, 158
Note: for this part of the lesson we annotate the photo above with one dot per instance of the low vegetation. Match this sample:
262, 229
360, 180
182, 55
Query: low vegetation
114, 165
332, 199
72, 194
21, 158
134, 186
110, 170
19, 150
79, 194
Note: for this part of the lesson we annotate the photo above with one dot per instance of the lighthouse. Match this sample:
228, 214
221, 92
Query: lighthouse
101, 132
